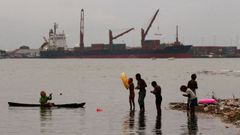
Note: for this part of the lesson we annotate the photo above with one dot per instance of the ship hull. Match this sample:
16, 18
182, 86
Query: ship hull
173, 51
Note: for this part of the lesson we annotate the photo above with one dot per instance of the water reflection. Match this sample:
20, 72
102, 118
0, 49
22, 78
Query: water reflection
131, 120
129, 126
192, 125
158, 124
45, 114
129, 123
45, 119
141, 123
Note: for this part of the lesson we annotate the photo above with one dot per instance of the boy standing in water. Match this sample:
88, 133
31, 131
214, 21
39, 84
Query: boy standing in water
192, 84
157, 93
131, 94
141, 85
192, 97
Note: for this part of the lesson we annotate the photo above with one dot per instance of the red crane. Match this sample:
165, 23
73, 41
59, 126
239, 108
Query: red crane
144, 33
82, 30
111, 37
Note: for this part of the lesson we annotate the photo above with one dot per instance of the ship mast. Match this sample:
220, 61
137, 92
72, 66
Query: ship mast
177, 42
55, 28
177, 34
82, 30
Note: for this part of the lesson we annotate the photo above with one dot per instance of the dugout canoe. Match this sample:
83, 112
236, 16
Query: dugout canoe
69, 105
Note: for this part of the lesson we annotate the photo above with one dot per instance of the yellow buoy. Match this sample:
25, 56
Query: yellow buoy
124, 80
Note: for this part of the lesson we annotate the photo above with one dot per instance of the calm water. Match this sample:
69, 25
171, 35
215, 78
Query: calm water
97, 82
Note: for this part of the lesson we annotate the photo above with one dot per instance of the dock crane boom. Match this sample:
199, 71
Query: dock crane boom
144, 33
111, 37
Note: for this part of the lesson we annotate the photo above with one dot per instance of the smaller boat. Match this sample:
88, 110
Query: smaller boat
70, 105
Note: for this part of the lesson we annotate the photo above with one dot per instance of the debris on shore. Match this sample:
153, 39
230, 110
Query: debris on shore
227, 109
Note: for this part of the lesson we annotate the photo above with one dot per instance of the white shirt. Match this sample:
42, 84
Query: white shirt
191, 93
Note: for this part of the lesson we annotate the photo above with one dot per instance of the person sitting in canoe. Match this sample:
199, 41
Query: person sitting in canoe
44, 99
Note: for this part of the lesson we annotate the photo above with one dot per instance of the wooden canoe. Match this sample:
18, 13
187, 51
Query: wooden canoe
70, 105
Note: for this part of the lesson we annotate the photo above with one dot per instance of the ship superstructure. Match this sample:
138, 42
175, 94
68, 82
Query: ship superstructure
55, 40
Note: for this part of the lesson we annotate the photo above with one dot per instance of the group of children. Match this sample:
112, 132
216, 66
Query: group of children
141, 86
189, 91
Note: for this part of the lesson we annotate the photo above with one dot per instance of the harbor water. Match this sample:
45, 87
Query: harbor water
97, 82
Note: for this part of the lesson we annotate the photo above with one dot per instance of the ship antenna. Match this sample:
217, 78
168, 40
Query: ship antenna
55, 28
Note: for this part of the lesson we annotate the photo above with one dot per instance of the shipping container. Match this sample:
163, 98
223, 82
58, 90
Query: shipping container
97, 46
151, 44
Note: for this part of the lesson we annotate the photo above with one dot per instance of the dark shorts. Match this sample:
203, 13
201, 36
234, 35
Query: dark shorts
158, 100
141, 97
193, 102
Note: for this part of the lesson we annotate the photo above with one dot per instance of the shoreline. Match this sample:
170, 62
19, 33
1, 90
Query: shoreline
228, 110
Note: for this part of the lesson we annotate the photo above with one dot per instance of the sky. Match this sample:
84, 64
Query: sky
201, 22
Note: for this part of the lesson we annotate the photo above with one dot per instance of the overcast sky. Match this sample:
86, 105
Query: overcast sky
207, 22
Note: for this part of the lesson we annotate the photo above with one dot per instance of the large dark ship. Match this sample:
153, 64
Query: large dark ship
55, 46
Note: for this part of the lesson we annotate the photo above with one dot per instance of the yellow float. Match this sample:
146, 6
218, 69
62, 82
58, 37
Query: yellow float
124, 80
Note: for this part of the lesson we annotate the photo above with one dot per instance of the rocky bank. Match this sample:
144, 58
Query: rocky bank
227, 109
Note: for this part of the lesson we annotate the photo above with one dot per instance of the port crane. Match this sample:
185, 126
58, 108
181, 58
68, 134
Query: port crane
111, 37
143, 32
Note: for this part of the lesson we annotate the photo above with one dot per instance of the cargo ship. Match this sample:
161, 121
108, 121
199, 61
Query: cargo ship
56, 46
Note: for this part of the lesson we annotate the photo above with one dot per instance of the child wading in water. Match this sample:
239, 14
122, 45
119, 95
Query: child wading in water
141, 86
191, 97
157, 93
192, 84
131, 94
